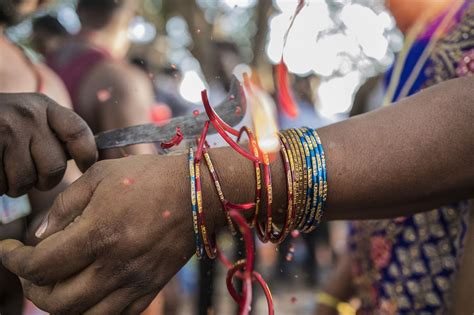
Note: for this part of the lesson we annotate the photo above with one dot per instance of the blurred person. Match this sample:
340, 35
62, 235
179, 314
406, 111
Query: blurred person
106, 90
410, 265
24, 116
48, 36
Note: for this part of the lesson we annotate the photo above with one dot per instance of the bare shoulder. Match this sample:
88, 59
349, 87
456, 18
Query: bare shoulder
54, 86
122, 77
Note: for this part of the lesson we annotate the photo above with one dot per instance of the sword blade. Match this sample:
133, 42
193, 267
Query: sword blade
191, 125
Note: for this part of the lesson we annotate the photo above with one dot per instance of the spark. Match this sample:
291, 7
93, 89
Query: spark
128, 181
295, 233
103, 95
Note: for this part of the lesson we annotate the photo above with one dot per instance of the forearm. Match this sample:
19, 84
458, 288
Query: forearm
410, 157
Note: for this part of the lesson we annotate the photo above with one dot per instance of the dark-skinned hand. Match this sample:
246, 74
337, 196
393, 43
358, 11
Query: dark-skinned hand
34, 132
131, 231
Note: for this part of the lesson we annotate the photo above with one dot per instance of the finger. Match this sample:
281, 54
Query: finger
78, 293
3, 176
69, 205
19, 168
49, 160
115, 302
61, 255
140, 305
75, 133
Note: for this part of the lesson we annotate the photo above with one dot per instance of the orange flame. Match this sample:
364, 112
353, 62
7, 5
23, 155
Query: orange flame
263, 112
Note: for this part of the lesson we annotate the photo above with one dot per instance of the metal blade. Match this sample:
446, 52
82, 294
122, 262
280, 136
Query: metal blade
191, 125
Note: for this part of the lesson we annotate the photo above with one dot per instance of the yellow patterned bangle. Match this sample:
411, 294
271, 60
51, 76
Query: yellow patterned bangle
299, 151
294, 182
217, 185
342, 308
299, 185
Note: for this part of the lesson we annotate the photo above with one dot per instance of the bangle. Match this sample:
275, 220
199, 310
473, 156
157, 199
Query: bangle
295, 178
299, 152
192, 174
265, 232
258, 177
310, 169
317, 180
209, 242
298, 185
322, 177
217, 185
279, 236
331, 301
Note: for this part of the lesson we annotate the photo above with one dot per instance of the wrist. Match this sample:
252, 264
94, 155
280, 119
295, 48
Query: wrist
237, 178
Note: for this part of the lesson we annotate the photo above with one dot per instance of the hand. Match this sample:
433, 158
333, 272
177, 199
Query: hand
132, 231
33, 131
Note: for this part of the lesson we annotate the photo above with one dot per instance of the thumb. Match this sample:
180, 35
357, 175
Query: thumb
68, 205
7, 247
75, 133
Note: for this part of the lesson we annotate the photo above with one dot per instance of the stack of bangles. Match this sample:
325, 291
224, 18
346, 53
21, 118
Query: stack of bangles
305, 168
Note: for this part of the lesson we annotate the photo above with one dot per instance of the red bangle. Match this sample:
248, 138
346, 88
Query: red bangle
258, 180
263, 233
218, 186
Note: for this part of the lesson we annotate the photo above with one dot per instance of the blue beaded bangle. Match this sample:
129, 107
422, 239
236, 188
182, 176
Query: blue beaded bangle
316, 179
323, 178
197, 235
308, 213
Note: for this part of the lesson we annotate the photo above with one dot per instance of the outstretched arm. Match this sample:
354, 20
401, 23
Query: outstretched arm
132, 217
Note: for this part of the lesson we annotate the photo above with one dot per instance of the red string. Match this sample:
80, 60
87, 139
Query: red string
285, 96
223, 127
176, 140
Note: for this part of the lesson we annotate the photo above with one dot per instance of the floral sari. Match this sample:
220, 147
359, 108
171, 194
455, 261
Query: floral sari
408, 265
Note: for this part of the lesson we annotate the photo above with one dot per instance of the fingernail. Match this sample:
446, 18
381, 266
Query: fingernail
44, 225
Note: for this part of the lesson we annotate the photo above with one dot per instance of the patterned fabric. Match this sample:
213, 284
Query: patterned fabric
407, 265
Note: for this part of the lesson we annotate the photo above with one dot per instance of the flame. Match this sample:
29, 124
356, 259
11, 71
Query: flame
263, 112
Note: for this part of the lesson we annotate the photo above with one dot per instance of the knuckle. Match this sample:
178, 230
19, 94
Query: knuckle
58, 210
31, 272
79, 130
98, 168
6, 128
54, 171
101, 239
20, 185
29, 110
129, 273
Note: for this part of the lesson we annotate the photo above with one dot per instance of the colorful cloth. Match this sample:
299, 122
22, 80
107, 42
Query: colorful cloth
407, 265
